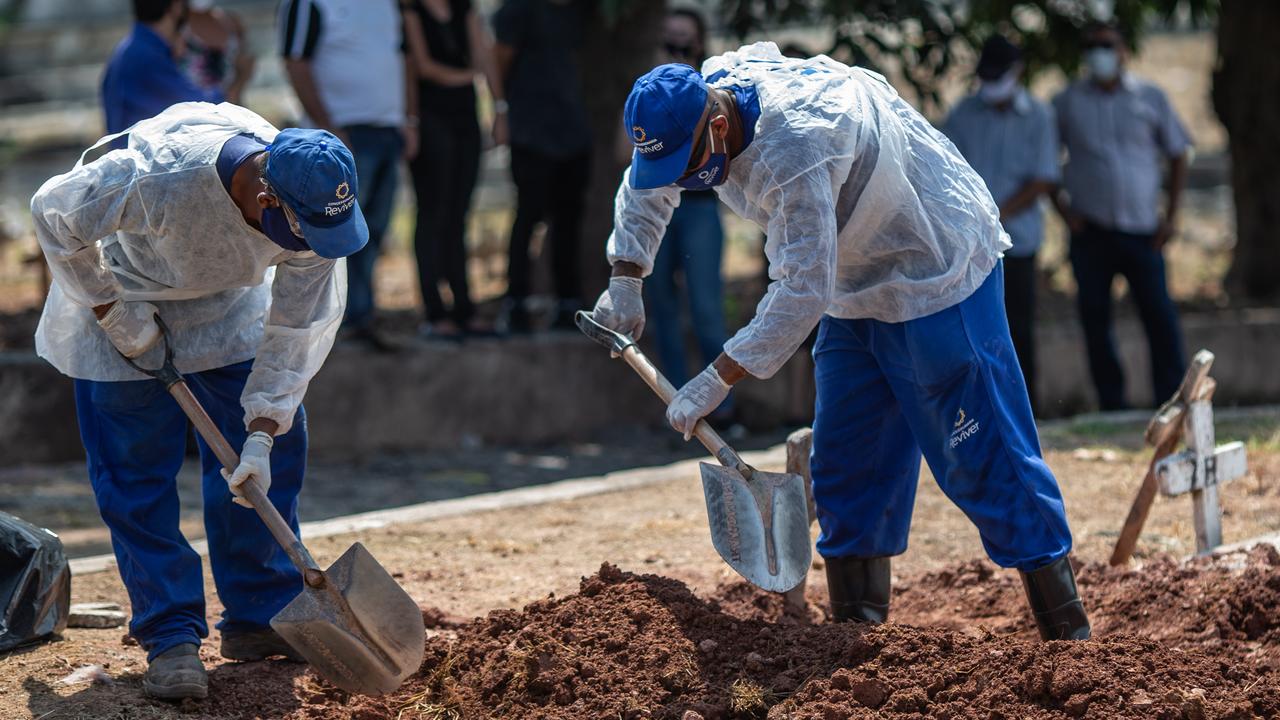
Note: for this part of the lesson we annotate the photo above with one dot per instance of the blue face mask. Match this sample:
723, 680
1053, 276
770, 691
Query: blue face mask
276, 226
713, 172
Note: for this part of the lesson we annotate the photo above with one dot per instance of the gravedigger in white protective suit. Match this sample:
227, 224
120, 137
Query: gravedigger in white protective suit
234, 234
881, 235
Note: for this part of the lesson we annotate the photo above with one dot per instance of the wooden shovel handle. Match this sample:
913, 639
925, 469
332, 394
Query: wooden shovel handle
280, 529
704, 432
169, 376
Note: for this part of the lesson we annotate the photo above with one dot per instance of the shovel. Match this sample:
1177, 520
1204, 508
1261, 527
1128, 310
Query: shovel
759, 520
353, 623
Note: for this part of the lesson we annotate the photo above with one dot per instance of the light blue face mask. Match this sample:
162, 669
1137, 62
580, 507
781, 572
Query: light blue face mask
1103, 63
713, 172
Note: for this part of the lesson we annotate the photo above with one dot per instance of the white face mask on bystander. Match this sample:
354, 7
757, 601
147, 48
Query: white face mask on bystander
1002, 89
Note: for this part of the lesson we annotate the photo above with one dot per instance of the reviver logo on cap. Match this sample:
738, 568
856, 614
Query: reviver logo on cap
662, 112
315, 175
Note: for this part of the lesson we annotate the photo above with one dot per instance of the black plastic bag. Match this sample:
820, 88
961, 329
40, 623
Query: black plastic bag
35, 583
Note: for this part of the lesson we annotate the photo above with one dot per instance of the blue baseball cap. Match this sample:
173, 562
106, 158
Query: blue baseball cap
662, 112
314, 174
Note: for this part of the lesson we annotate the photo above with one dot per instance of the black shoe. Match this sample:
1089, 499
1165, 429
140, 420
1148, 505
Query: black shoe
859, 589
176, 674
1055, 602
257, 645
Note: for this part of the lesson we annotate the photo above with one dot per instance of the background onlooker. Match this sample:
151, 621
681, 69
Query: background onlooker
1011, 140
687, 265
1120, 132
344, 60
217, 54
448, 45
538, 42
142, 77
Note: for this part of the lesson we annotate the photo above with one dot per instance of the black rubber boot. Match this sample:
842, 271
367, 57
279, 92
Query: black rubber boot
859, 589
1055, 602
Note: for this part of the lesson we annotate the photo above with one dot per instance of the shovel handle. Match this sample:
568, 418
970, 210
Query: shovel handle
704, 432
280, 529
623, 346
168, 374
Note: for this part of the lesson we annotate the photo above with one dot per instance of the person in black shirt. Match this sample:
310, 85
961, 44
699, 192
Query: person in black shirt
448, 45
537, 56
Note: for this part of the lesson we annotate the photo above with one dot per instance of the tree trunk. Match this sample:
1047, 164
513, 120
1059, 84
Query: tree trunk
1246, 97
619, 49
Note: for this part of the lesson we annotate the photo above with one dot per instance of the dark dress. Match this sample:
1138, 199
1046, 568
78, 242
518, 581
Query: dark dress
550, 140
445, 169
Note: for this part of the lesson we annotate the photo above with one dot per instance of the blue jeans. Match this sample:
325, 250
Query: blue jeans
377, 153
135, 436
692, 246
949, 385
1097, 256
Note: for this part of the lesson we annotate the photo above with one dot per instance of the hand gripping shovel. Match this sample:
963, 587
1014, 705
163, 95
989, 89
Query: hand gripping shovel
759, 520
353, 623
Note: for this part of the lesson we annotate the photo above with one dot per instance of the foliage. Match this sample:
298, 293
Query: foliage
926, 38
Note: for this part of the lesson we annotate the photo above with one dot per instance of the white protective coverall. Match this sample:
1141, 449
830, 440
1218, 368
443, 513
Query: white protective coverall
153, 222
870, 212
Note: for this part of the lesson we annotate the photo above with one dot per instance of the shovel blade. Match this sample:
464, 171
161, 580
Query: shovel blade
760, 527
361, 631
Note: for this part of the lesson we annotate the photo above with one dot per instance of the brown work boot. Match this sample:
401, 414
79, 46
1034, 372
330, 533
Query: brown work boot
257, 645
176, 674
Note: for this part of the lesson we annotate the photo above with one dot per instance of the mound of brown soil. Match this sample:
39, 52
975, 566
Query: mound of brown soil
641, 646
1229, 604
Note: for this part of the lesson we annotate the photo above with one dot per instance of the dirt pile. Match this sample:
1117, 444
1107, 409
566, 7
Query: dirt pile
640, 646
1228, 604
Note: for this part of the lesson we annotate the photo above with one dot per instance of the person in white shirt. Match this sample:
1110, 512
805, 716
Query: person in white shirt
345, 61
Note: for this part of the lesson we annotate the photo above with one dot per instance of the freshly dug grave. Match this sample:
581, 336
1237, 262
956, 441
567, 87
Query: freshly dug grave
641, 646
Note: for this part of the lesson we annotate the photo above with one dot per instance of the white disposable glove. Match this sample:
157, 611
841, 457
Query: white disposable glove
255, 462
621, 307
131, 327
697, 399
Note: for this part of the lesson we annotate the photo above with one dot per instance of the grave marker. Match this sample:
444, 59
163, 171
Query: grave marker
1198, 470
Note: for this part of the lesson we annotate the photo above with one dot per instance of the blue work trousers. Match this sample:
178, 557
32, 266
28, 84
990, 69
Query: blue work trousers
377, 152
949, 385
135, 436
692, 246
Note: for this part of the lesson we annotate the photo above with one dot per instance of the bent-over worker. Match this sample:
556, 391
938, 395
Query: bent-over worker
881, 235
232, 232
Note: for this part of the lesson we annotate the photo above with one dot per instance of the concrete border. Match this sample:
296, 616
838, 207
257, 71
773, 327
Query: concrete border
558, 491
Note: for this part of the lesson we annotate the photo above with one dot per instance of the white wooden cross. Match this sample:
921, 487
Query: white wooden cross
1202, 467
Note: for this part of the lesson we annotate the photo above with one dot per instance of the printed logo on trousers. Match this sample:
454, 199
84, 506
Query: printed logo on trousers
965, 428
